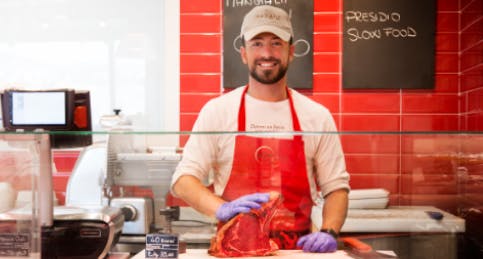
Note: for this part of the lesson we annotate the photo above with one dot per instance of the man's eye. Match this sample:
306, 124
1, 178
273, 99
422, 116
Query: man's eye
277, 43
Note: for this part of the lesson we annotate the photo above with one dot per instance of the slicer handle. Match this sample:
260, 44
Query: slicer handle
129, 212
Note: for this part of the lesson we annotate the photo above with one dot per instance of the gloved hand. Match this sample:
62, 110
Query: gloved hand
318, 242
241, 205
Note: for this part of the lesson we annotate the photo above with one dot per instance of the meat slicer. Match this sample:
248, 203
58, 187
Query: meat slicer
112, 174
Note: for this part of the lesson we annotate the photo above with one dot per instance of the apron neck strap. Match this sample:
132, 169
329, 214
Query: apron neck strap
242, 116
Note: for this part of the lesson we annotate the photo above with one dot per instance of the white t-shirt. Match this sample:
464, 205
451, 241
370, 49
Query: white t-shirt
211, 146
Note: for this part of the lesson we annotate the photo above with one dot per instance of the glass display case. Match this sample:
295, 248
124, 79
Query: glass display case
25, 192
415, 193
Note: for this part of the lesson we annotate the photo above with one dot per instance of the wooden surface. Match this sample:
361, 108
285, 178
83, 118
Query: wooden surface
287, 254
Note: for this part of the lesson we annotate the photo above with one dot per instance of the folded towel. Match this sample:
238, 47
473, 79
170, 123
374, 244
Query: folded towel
365, 199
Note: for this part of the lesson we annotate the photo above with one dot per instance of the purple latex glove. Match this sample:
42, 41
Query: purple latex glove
318, 242
241, 205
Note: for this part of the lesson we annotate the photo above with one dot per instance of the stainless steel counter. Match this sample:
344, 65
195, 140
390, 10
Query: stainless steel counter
408, 219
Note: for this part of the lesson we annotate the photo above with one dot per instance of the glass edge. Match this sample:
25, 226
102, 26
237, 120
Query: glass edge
156, 132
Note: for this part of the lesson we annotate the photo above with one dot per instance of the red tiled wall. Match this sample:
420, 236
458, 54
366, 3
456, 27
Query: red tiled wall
372, 110
471, 64
388, 161
64, 161
471, 80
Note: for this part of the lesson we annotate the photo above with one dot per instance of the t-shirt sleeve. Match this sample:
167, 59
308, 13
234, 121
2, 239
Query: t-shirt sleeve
199, 151
331, 172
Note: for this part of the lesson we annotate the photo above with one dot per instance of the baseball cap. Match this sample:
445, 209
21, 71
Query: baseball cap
266, 18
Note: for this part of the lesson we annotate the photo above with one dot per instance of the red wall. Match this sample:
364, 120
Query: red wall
471, 64
64, 161
387, 161
374, 110
471, 68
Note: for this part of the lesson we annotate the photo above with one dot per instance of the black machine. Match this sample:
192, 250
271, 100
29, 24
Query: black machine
51, 110
76, 233
85, 235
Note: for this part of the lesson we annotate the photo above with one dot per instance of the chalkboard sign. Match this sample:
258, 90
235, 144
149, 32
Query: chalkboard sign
164, 246
388, 44
300, 72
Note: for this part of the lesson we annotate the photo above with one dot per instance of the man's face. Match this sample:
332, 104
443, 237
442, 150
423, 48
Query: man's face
267, 57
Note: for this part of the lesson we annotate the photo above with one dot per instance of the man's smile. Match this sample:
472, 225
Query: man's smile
267, 64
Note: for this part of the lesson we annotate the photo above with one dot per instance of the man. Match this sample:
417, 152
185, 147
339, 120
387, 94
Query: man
245, 167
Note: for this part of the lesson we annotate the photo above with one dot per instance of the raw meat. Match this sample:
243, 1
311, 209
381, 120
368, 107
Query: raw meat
247, 234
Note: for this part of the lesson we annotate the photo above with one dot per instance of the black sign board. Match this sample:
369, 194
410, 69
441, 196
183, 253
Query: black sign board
163, 246
388, 44
14, 245
300, 72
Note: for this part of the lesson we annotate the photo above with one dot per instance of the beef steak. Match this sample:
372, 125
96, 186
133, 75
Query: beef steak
247, 234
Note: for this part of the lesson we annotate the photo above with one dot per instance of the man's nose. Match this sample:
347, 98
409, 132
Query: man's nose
267, 50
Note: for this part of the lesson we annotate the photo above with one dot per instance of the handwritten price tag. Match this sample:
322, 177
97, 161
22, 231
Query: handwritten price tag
162, 246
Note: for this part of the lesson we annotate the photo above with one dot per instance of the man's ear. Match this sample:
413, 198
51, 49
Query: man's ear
243, 54
291, 53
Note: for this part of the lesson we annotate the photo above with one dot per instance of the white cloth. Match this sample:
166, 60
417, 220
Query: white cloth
211, 152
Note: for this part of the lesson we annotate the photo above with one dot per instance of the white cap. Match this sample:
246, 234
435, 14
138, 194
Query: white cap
267, 18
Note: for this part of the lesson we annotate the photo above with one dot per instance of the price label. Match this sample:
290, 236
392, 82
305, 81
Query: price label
14, 244
162, 246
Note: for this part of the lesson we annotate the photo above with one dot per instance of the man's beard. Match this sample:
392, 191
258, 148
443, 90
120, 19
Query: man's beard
268, 76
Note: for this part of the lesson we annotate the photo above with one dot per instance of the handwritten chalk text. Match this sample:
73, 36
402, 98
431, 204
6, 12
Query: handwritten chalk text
356, 34
380, 25
365, 17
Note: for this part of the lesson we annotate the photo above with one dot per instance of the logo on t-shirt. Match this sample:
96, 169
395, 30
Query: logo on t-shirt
266, 127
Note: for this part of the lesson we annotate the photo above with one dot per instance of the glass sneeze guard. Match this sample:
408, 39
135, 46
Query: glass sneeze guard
437, 170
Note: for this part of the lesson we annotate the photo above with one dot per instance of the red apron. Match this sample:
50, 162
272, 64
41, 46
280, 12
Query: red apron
271, 164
